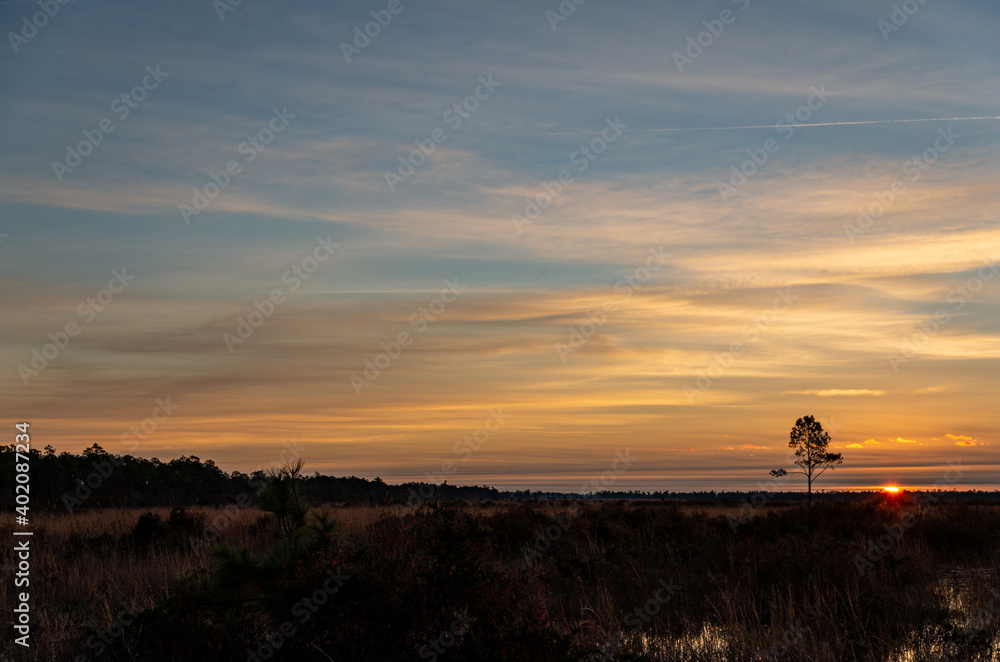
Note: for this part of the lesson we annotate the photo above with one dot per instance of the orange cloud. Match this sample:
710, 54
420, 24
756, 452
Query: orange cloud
833, 392
963, 440
854, 446
752, 447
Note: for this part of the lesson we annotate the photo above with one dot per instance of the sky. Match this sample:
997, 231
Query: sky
506, 243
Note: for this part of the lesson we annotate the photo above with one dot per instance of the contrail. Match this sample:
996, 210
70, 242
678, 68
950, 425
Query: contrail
771, 126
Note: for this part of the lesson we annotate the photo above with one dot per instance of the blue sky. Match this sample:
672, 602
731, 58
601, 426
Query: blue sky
859, 296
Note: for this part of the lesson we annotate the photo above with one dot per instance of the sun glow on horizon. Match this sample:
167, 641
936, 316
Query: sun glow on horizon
891, 489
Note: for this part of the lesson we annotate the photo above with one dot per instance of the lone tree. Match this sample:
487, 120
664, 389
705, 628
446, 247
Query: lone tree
810, 440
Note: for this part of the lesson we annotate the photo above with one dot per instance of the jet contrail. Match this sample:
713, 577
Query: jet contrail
771, 126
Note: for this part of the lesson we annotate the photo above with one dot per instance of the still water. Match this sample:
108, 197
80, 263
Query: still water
941, 642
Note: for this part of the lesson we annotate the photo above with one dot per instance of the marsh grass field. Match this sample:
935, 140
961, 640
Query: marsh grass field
881, 580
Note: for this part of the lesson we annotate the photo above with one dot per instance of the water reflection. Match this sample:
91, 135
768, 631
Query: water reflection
964, 593
710, 642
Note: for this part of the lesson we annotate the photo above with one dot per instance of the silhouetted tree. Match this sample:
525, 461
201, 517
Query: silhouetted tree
810, 442
282, 496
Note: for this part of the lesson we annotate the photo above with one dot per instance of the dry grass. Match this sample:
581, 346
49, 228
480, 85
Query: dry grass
86, 568
84, 572
82, 578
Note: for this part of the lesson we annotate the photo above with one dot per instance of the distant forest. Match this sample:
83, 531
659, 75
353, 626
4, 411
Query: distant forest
98, 479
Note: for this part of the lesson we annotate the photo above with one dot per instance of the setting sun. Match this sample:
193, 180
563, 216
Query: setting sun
890, 489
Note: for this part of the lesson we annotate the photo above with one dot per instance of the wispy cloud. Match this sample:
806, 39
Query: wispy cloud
964, 440
833, 392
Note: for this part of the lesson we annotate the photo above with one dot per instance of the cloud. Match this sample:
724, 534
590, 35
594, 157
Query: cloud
854, 446
759, 448
928, 390
905, 441
963, 440
870, 442
831, 392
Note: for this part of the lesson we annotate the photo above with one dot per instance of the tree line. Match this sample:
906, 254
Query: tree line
98, 479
